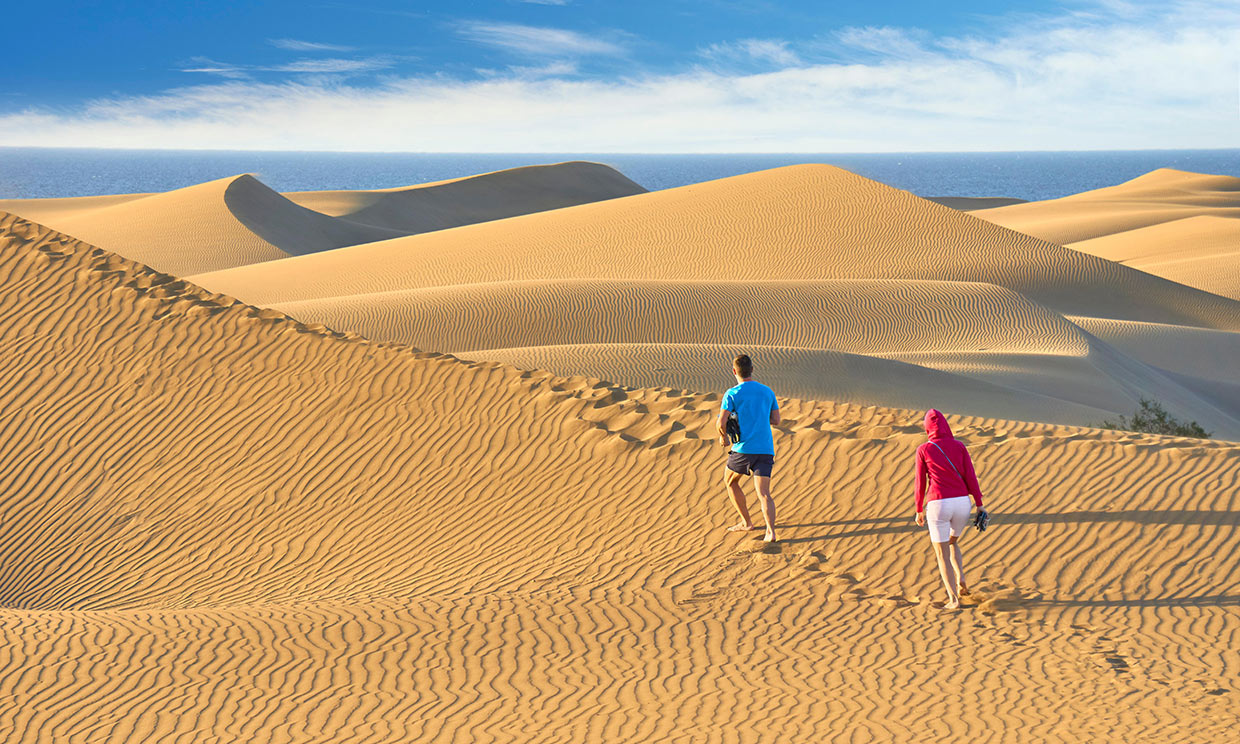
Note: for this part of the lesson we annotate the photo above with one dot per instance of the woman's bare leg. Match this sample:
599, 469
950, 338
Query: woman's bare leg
962, 588
942, 552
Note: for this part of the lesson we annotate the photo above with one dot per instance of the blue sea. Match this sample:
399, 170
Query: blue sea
41, 172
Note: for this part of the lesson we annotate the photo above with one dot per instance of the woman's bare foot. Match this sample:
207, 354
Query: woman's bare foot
769, 537
962, 590
742, 527
951, 604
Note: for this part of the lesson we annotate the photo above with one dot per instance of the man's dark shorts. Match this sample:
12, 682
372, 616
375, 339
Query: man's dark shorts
739, 462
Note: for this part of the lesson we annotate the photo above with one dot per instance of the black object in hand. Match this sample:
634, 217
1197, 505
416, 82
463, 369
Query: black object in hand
982, 520
733, 428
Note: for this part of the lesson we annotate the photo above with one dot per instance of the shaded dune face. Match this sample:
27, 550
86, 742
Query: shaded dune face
219, 224
222, 524
464, 201
238, 220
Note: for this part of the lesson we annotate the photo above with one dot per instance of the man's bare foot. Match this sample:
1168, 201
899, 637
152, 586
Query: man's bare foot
962, 590
951, 604
769, 537
742, 527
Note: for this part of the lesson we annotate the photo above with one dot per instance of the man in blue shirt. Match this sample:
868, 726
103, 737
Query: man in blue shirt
756, 411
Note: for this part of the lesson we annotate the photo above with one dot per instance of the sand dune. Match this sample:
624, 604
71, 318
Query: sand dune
1164, 195
811, 258
795, 223
464, 201
219, 224
1201, 252
804, 373
978, 332
237, 221
1199, 352
222, 525
852, 315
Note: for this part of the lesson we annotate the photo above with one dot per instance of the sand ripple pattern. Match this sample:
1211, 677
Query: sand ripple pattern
809, 222
857, 316
221, 524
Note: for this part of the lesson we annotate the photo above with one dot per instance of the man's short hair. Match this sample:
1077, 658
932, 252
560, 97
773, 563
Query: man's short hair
743, 365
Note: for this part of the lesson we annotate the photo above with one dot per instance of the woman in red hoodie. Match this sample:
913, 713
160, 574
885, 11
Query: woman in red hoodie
945, 462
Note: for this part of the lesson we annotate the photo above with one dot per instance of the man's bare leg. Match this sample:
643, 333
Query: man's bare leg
763, 485
732, 480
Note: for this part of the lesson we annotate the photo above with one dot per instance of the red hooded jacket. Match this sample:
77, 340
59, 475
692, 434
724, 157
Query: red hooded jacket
947, 479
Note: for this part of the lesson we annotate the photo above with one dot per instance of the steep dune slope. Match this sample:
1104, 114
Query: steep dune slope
1201, 252
464, 201
1157, 197
220, 524
801, 222
219, 224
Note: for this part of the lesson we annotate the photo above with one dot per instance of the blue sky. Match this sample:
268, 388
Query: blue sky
595, 76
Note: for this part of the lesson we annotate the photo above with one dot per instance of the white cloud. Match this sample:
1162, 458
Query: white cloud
885, 41
1106, 82
333, 65
546, 2
297, 45
536, 40
312, 66
771, 51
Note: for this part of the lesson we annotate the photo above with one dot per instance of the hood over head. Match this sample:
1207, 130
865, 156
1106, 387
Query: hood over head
936, 425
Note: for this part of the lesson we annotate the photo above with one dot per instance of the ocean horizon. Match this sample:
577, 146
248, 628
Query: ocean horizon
27, 173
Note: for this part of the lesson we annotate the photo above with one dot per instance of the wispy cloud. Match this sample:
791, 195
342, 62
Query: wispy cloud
1163, 79
546, 2
309, 66
298, 45
770, 51
536, 40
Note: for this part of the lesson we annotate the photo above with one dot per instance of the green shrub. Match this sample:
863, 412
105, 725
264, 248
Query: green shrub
1152, 418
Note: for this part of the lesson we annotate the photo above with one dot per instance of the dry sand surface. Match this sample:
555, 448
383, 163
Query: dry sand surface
807, 263
1201, 252
221, 524
272, 519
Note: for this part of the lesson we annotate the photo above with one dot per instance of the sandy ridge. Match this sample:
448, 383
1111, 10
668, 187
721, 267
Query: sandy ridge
799, 222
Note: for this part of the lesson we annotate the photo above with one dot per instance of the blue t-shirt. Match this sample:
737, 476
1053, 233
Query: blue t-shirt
752, 402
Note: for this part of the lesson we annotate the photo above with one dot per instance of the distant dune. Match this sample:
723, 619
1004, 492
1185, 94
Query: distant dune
1160, 196
1201, 252
811, 258
238, 221
221, 524
464, 201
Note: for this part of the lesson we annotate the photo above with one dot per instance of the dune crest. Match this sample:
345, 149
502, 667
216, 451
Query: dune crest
464, 201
